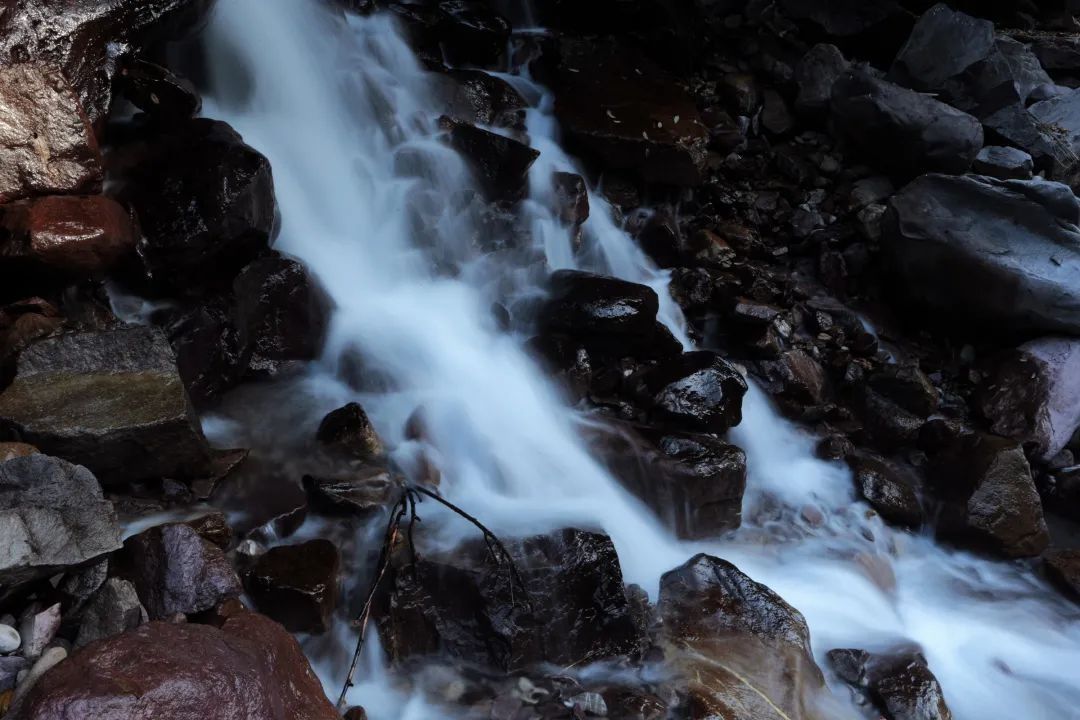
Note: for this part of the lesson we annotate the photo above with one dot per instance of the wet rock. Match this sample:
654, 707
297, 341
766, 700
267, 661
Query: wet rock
158, 92
462, 604
297, 585
50, 659
600, 311
476, 97
694, 483
1004, 163
571, 197
69, 236
1002, 253
213, 526
737, 648
10, 669
205, 201
349, 431
46, 144
176, 571
10, 640
38, 628
1062, 568
1033, 395
250, 668
899, 684
989, 496
659, 238
902, 130
367, 489
280, 312
620, 108
86, 38
110, 400
499, 164
54, 515
209, 357
815, 75
697, 390
797, 376
114, 609
888, 487
907, 386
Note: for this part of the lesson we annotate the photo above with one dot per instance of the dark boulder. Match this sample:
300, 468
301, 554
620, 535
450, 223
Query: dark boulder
899, 684
109, 400
815, 75
1056, 142
988, 495
600, 311
499, 164
479, 98
175, 571
470, 32
297, 585
54, 516
737, 649
1050, 147
114, 608
205, 201
1062, 568
797, 377
464, 605
1033, 395
621, 109
209, 356
46, 142
158, 92
1005, 254
249, 668
697, 390
903, 130
890, 488
1004, 163
349, 431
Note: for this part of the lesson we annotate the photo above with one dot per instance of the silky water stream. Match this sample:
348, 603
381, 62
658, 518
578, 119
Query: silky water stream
379, 209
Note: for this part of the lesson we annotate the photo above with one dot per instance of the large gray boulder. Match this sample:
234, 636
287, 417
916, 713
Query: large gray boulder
53, 515
110, 400
903, 130
1005, 254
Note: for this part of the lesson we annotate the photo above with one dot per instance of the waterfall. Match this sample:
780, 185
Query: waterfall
381, 213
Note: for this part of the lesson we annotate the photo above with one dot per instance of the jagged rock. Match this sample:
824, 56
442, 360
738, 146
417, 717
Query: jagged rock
297, 585
1055, 51
1033, 395
600, 311
620, 108
737, 649
110, 400
462, 604
697, 390
176, 571
899, 684
38, 628
80, 584
209, 357
69, 236
1057, 127
1002, 253
348, 430
989, 496
1004, 163
1049, 147
46, 142
888, 487
86, 38
365, 490
902, 130
250, 668
157, 91
114, 609
797, 376
1062, 568
205, 201
52, 515
815, 75
499, 164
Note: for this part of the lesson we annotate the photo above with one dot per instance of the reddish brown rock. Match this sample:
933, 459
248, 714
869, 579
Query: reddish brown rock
9, 450
297, 585
70, 235
46, 142
250, 668
348, 431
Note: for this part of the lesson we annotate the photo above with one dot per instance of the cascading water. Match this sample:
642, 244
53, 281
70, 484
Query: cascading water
376, 207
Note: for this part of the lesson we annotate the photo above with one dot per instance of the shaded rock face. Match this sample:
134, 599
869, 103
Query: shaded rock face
85, 38
157, 92
698, 391
1001, 253
738, 648
206, 204
899, 684
109, 400
1004, 163
52, 515
499, 164
46, 143
621, 109
889, 488
462, 604
297, 585
989, 496
176, 571
1033, 395
902, 130
349, 431
250, 668
599, 310
71, 236
114, 609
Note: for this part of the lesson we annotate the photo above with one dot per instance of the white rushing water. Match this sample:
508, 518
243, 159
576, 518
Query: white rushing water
378, 208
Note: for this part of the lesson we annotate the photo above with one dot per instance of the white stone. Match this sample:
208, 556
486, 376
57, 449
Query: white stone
9, 639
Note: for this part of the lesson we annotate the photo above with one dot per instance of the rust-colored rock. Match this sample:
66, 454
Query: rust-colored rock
46, 142
250, 668
297, 585
9, 450
70, 235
